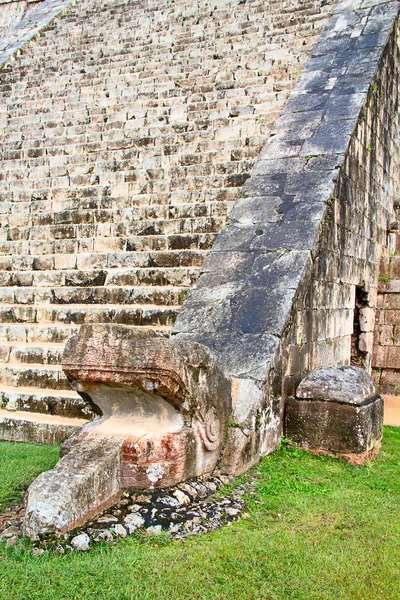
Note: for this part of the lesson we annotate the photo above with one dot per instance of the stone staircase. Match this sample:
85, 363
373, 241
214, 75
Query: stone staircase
127, 131
37, 321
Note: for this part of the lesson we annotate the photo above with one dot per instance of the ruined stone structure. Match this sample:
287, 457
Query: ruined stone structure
202, 240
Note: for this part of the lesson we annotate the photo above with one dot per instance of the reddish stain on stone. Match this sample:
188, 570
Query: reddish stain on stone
165, 456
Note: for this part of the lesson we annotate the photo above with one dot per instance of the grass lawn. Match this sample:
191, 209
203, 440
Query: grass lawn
19, 465
320, 529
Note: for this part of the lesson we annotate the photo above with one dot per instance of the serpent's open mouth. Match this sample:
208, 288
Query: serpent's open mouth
163, 415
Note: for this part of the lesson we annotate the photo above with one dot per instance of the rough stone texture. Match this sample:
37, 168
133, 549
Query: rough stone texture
20, 427
84, 482
386, 355
337, 410
191, 508
297, 265
81, 542
22, 20
343, 385
168, 402
11, 13
354, 236
117, 182
127, 131
164, 408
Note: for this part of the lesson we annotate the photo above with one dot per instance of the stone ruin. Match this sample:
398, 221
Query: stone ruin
198, 238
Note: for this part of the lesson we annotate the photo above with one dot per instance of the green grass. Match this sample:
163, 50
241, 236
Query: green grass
19, 465
320, 529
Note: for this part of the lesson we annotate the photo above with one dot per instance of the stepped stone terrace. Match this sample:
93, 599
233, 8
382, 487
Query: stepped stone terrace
198, 201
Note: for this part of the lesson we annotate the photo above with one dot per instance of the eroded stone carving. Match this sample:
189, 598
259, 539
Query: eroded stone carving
164, 410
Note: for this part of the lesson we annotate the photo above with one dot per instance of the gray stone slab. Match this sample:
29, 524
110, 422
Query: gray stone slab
344, 107
258, 209
345, 385
36, 20
306, 102
243, 355
290, 235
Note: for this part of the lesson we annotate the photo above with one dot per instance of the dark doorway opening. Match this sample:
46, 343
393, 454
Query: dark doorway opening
358, 358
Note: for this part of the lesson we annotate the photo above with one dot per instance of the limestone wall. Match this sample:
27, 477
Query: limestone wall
334, 316
129, 132
386, 355
279, 290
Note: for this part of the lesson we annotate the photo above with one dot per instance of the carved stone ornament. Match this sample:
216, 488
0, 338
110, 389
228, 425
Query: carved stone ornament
163, 411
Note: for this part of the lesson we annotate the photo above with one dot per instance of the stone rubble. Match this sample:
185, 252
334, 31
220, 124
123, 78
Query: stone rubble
186, 510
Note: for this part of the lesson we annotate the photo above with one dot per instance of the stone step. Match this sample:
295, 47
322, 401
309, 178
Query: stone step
50, 377
63, 403
139, 315
96, 261
118, 176
100, 243
27, 353
36, 428
120, 226
139, 276
277, 17
156, 295
126, 65
125, 215
34, 333
75, 206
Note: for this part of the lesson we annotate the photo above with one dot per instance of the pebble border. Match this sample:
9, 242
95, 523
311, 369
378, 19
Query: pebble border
188, 509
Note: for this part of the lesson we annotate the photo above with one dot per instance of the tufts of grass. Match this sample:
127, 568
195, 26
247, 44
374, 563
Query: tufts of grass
19, 465
318, 529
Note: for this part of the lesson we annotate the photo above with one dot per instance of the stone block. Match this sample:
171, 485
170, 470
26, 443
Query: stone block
367, 318
336, 410
393, 357
366, 341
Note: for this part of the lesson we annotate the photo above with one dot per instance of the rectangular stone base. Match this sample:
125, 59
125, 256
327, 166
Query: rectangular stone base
335, 427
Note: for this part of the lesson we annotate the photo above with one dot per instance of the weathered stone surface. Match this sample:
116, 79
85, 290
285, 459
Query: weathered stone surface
344, 385
336, 410
11, 14
164, 410
278, 293
82, 484
118, 208
152, 511
18, 426
81, 542
21, 21
118, 176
